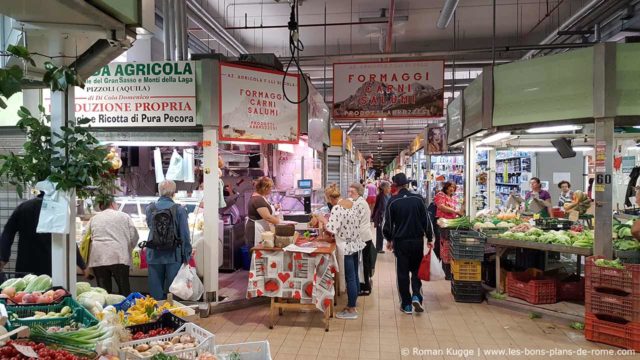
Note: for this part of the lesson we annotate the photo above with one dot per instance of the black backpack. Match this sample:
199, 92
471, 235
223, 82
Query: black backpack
164, 229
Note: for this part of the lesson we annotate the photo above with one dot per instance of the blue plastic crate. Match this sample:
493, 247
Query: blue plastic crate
128, 302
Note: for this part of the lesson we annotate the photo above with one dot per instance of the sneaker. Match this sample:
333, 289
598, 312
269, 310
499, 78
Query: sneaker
417, 304
407, 309
347, 315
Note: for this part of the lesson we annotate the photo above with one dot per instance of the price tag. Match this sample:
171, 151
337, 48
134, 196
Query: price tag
599, 187
26, 351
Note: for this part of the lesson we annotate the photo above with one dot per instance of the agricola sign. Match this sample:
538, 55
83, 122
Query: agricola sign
157, 94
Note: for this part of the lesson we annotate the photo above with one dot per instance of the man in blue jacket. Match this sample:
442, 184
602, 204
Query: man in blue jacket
405, 225
165, 260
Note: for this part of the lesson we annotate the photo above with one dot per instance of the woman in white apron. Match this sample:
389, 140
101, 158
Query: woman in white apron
260, 213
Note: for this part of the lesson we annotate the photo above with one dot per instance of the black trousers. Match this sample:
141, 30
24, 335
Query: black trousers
409, 255
369, 254
119, 272
436, 241
379, 238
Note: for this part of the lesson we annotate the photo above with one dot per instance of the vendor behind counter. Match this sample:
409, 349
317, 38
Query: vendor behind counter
260, 212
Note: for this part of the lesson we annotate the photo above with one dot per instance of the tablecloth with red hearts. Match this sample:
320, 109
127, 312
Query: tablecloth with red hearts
309, 278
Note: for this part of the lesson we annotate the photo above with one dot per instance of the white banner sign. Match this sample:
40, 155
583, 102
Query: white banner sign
151, 94
253, 107
404, 89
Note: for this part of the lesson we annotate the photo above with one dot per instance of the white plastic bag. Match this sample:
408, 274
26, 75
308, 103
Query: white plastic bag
182, 285
54, 214
175, 171
187, 165
436, 272
157, 164
198, 286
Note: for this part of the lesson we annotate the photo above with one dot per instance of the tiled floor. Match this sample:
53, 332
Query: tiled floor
383, 332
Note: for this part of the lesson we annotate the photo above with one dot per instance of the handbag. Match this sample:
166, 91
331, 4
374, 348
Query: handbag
424, 271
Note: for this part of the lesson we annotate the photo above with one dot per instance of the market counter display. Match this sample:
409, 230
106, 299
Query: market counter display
295, 277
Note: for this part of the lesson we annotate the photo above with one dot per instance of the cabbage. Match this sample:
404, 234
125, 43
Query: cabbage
90, 299
29, 278
82, 287
40, 283
99, 291
112, 299
19, 285
9, 283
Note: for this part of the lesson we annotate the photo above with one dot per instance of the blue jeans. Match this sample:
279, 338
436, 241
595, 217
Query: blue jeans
351, 278
160, 278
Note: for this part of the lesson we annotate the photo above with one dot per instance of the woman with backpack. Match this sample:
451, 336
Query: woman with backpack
169, 244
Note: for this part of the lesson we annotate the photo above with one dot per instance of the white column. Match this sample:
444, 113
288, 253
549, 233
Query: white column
211, 191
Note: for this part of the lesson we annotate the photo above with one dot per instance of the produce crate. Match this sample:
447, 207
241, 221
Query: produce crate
466, 270
613, 305
491, 232
447, 271
534, 290
205, 343
80, 315
602, 329
628, 257
553, 224
247, 351
600, 277
467, 291
166, 320
128, 302
570, 290
467, 245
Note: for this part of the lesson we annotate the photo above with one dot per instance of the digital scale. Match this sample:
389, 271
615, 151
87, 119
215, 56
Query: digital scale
304, 191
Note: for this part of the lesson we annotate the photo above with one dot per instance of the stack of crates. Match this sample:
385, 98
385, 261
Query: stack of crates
612, 304
466, 249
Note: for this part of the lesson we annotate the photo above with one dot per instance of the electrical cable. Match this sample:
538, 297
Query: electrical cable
295, 47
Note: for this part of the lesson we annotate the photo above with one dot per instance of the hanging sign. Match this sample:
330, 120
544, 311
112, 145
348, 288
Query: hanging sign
628, 163
601, 156
436, 142
153, 94
404, 89
253, 107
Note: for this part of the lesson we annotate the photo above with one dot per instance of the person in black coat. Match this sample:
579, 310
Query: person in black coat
34, 250
377, 216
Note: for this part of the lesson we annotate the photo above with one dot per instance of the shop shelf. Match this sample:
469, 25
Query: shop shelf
466, 270
247, 351
80, 314
600, 277
532, 289
467, 291
205, 343
570, 290
628, 257
605, 330
625, 307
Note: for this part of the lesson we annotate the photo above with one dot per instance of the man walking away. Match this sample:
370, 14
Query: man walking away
405, 226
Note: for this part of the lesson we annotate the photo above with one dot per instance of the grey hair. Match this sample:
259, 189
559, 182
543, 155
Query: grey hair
167, 188
359, 188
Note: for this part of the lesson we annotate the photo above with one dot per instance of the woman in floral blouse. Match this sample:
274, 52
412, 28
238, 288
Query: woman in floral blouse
344, 224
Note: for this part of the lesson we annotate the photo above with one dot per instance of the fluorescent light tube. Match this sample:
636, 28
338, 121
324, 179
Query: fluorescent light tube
150, 143
484, 148
551, 149
495, 137
552, 129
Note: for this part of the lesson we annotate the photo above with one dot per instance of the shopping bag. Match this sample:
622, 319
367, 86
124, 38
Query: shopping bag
182, 285
175, 171
436, 272
197, 285
54, 214
157, 165
85, 245
424, 271
187, 165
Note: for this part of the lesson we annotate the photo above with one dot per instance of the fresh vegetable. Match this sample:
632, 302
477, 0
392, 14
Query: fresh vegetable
577, 325
147, 309
82, 287
152, 333
558, 237
41, 283
43, 351
177, 343
626, 245
90, 299
163, 357
64, 312
534, 315
99, 291
616, 264
457, 223
207, 356
497, 295
112, 299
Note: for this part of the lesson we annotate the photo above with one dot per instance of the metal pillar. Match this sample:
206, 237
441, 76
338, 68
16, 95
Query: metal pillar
469, 177
604, 107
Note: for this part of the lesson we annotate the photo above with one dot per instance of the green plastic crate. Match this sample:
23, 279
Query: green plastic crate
80, 315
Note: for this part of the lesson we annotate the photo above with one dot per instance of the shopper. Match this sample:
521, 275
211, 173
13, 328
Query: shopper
371, 194
169, 244
405, 225
260, 212
344, 225
384, 194
447, 205
113, 237
566, 195
34, 249
369, 254
635, 229
541, 198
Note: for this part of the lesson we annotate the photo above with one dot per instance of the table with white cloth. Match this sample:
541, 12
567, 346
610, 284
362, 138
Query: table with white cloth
294, 280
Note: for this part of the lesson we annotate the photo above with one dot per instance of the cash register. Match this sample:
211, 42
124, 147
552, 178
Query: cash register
304, 191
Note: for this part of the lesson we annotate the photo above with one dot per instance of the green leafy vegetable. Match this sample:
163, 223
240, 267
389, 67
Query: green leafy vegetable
616, 264
577, 325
